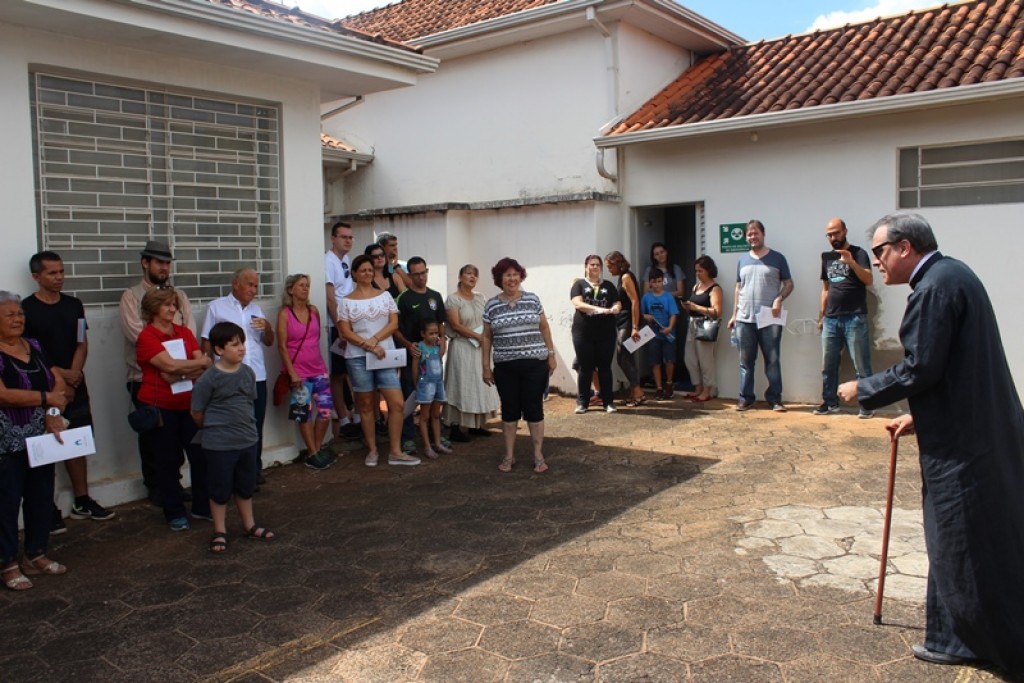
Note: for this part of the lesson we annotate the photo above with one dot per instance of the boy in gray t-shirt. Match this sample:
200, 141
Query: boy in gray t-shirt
222, 407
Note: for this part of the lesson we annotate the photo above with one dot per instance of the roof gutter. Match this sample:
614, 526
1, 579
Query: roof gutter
268, 27
883, 105
517, 19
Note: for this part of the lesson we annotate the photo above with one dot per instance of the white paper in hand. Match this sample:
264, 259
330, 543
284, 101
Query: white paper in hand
646, 335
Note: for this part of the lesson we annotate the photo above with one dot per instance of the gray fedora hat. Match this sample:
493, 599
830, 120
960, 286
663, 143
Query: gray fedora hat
157, 250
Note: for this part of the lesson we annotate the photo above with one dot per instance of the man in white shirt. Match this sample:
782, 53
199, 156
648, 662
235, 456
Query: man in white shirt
238, 307
338, 268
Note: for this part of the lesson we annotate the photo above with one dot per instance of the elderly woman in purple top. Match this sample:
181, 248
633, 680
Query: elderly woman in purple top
31, 400
517, 332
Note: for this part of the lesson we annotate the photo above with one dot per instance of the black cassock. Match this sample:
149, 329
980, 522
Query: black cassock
970, 432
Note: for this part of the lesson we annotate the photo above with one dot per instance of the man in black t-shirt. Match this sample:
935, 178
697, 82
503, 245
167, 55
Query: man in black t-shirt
416, 304
843, 315
57, 321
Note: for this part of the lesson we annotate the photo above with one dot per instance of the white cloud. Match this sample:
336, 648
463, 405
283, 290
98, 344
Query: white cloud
881, 8
336, 9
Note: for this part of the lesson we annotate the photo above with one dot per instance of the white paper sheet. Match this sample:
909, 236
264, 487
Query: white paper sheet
176, 350
646, 335
765, 318
479, 329
393, 358
42, 450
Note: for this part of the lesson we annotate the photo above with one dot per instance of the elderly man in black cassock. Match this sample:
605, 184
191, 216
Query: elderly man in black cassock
970, 433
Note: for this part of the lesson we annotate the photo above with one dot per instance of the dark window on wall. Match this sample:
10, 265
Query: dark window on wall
118, 164
961, 175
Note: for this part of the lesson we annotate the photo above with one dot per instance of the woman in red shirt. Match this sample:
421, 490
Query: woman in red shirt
169, 353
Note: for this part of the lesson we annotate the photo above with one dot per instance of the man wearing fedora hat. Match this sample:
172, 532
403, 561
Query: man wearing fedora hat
156, 260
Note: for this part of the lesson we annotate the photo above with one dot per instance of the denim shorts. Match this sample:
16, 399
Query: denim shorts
430, 390
662, 351
364, 381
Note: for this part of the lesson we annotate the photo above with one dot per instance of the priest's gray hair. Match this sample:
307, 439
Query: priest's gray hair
906, 225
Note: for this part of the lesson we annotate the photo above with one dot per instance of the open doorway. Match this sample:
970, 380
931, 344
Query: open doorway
680, 227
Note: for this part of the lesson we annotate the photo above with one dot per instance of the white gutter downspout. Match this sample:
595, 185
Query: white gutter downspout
611, 58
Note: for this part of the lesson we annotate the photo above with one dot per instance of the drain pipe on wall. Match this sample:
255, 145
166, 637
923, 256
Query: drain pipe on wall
611, 58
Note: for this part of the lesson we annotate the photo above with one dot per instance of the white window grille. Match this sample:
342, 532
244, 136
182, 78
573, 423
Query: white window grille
961, 175
118, 164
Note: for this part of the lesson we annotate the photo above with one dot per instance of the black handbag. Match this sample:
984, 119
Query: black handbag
706, 329
145, 419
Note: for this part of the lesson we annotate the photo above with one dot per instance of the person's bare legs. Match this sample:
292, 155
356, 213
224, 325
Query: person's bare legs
425, 420
338, 390
220, 525
508, 430
537, 439
657, 378
395, 403
306, 432
320, 431
364, 404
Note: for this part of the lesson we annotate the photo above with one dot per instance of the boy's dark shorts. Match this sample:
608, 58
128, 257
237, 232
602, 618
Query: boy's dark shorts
233, 472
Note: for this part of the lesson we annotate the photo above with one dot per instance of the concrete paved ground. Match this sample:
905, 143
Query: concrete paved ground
672, 542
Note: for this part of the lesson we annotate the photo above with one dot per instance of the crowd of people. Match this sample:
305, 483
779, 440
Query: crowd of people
201, 393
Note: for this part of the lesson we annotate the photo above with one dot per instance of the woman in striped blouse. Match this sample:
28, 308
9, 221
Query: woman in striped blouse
517, 332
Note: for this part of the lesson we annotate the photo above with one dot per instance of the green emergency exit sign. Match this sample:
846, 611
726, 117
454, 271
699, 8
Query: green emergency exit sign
732, 237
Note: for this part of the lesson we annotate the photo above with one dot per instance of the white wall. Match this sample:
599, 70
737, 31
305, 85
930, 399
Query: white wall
646, 65
114, 469
513, 122
795, 179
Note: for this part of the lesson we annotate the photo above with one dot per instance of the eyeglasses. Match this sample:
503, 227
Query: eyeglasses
879, 248
377, 256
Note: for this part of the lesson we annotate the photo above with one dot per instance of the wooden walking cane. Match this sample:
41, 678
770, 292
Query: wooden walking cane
894, 440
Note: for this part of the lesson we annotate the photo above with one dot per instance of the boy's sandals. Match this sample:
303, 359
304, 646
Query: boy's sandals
506, 464
219, 542
42, 565
259, 533
539, 466
16, 583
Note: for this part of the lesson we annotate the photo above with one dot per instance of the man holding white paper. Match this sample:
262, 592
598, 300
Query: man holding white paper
240, 308
763, 281
57, 321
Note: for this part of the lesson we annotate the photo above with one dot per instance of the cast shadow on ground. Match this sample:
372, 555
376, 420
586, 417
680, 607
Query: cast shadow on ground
358, 552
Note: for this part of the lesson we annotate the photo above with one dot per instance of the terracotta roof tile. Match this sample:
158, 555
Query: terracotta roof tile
328, 142
411, 19
296, 16
944, 47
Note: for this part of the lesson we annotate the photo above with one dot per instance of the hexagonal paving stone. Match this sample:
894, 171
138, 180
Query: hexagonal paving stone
274, 601
600, 642
555, 668
859, 514
833, 588
581, 564
901, 587
797, 513
218, 623
519, 639
775, 643
791, 566
495, 608
735, 669
212, 656
466, 666
690, 642
913, 564
647, 667
611, 585
864, 644
569, 610
536, 586
911, 670
381, 664
132, 654
648, 565
645, 613
822, 667
433, 636
157, 593
683, 587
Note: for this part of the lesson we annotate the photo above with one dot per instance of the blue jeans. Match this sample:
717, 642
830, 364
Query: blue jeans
769, 339
850, 331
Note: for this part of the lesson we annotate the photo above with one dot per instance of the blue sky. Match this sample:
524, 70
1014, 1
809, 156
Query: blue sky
752, 19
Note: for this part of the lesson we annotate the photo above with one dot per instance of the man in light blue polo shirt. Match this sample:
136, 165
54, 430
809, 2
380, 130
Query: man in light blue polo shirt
762, 280
238, 307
